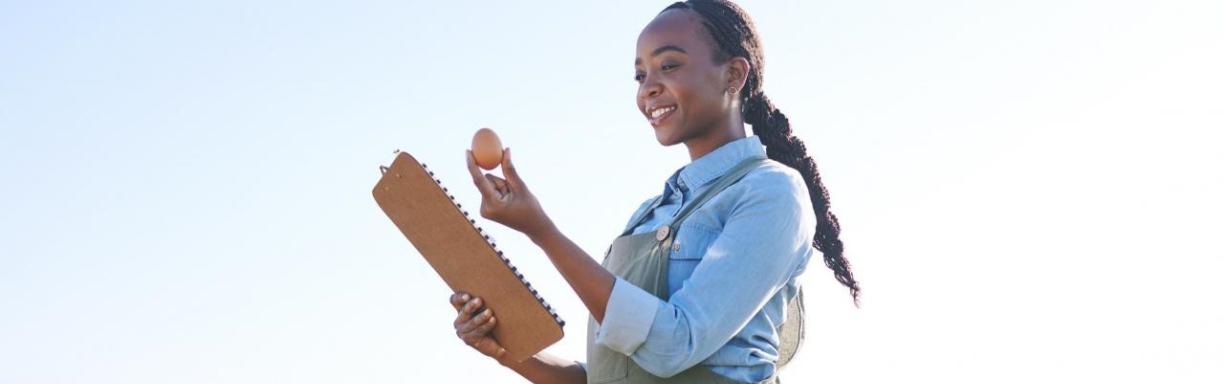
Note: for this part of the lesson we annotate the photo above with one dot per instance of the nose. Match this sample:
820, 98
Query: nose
649, 88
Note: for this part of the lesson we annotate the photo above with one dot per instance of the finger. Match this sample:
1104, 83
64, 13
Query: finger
477, 337
489, 346
458, 299
511, 173
485, 342
486, 326
472, 305
469, 339
461, 319
476, 323
499, 183
485, 187
465, 313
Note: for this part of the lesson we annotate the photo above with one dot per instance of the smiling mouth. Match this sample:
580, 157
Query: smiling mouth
657, 115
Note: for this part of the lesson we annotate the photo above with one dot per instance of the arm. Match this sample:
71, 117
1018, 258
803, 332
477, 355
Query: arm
544, 368
508, 201
590, 281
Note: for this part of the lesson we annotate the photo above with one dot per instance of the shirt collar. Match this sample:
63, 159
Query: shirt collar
716, 163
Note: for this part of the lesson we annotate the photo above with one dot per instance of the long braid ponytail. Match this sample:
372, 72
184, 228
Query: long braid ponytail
735, 36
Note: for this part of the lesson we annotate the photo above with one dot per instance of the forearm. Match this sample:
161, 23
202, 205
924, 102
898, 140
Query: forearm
590, 281
547, 369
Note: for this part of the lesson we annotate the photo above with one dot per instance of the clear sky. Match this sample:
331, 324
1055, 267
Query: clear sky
1028, 191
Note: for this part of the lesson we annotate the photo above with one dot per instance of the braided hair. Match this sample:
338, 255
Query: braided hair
735, 36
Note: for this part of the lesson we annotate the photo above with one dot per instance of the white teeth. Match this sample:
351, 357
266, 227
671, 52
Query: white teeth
659, 112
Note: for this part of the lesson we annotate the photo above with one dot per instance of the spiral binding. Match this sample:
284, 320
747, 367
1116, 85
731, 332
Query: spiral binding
493, 244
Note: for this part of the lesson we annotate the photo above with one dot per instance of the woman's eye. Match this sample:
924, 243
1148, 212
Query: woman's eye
638, 77
670, 66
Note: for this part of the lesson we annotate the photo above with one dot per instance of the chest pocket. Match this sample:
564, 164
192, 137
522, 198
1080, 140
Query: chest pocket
689, 247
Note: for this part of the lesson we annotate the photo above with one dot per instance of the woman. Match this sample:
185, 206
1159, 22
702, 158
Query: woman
701, 287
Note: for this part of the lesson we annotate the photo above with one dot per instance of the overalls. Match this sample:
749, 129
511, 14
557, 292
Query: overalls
642, 260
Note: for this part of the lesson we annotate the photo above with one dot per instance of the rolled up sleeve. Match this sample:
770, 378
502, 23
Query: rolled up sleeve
628, 317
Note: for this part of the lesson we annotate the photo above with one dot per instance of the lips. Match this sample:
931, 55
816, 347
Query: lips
657, 114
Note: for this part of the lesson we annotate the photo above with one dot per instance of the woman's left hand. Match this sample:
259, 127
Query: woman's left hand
508, 201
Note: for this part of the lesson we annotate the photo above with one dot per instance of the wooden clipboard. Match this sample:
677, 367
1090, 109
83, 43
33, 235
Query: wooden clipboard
465, 256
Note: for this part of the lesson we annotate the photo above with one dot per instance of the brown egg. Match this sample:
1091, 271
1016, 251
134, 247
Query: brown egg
487, 148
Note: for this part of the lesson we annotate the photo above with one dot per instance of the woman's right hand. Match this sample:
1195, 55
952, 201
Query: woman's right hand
476, 330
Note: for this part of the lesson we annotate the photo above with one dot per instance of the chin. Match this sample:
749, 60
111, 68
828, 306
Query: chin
666, 140
669, 135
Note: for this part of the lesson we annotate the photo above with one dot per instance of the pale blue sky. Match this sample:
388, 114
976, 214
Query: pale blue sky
1029, 191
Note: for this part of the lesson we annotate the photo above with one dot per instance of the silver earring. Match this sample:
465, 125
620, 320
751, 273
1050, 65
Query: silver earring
731, 91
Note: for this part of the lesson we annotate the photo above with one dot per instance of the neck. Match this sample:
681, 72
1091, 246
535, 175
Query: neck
716, 137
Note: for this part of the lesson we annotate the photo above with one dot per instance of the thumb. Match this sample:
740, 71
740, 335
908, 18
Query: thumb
512, 175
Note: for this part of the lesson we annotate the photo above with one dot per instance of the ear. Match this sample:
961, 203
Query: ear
737, 73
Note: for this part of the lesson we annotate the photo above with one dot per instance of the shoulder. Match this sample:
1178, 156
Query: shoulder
775, 189
775, 181
774, 174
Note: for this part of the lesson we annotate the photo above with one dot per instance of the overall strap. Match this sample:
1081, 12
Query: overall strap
734, 174
642, 217
726, 180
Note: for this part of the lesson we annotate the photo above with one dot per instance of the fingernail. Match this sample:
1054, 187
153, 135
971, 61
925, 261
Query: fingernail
466, 297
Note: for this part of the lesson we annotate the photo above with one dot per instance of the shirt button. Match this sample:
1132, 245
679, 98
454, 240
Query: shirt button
662, 233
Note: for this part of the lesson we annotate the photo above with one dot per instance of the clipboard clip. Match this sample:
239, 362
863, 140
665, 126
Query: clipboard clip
383, 168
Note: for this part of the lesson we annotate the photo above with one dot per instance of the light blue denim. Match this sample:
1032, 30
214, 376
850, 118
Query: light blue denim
731, 271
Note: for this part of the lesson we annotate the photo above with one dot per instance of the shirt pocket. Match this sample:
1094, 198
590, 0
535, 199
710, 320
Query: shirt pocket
687, 250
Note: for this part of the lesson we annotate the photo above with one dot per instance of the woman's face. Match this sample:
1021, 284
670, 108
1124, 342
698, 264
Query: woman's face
681, 91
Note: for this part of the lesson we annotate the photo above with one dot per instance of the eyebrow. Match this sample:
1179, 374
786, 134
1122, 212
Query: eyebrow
660, 50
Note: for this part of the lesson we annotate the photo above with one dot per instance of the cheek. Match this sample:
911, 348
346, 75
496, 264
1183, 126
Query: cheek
703, 102
694, 93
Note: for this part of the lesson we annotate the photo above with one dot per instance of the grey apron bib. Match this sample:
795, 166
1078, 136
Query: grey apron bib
642, 260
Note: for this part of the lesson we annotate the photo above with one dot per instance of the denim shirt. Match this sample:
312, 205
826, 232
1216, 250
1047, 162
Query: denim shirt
731, 271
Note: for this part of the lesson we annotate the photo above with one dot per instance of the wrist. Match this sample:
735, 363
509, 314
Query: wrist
545, 232
506, 362
513, 365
